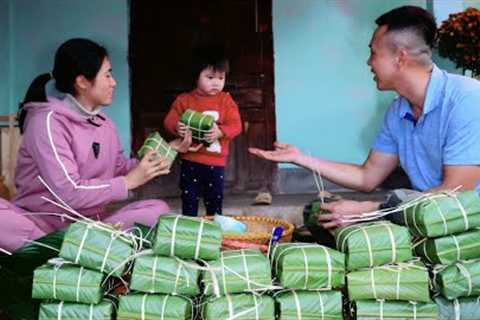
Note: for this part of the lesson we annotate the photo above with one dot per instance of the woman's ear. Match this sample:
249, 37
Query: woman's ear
82, 83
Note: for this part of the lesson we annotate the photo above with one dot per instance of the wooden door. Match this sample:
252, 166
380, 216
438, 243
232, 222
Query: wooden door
163, 35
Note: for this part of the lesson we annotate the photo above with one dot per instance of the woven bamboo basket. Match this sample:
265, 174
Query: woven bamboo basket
259, 229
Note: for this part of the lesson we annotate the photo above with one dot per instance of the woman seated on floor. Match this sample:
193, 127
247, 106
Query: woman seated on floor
71, 152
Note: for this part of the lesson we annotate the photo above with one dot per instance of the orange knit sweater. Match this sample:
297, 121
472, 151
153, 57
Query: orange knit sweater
229, 123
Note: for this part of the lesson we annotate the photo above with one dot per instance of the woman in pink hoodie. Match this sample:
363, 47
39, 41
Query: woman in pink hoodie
71, 153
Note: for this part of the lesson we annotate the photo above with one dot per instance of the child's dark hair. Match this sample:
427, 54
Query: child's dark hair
209, 56
73, 58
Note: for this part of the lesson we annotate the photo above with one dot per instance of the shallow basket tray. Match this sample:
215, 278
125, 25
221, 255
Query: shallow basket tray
259, 229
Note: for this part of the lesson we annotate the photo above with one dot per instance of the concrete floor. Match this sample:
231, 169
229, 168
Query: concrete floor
284, 206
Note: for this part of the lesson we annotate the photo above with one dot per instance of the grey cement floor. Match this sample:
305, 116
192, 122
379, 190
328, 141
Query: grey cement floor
284, 206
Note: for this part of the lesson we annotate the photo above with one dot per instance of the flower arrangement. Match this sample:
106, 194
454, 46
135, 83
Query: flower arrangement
459, 40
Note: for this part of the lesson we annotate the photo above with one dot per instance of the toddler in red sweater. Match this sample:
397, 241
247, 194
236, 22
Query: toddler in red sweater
203, 171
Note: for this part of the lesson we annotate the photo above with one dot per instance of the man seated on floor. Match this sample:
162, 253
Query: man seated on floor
432, 129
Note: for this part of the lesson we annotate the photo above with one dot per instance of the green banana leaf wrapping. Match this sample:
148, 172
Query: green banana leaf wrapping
68, 283
16, 275
96, 247
153, 307
308, 266
156, 274
373, 244
73, 311
458, 309
242, 306
446, 250
239, 271
309, 305
311, 211
155, 142
461, 279
187, 238
395, 310
198, 123
443, 214
406, 282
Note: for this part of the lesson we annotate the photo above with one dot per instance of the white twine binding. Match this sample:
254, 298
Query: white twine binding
5, 251
158, 144
198, 130
79, 280
369, 247
154, 271
54, 286
60, 310
245, 266
457, 246
467, 275
322, 311
374, 215
199, 239
372, 278
164, 305
297, 305
456, 309
305, 263
381, 301
90, 314
230, 306
392, 242
397, 291
142, 311
82, 243
414, 303
174, 234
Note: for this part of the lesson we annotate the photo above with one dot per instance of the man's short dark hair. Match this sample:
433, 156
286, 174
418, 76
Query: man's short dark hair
412, 18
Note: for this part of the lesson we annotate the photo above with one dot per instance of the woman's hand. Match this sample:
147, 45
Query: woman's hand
213, 134
148, 168
283, 153
344, 209
182, 129
185, 145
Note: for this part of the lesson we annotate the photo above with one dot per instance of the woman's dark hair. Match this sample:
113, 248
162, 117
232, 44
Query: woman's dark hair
212, 55
73, 58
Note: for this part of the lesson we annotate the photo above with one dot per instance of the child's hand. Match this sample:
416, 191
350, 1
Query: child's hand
181, 129
214, 134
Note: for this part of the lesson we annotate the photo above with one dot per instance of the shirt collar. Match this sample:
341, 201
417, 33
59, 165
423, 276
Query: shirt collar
435, 85
73, 104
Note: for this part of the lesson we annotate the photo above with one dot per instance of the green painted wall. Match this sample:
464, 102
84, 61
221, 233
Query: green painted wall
326, 100
40, 26
4, 56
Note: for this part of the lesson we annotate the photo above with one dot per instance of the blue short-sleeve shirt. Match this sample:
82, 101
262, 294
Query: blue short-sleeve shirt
447, 133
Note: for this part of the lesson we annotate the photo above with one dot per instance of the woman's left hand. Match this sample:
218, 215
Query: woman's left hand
184, 144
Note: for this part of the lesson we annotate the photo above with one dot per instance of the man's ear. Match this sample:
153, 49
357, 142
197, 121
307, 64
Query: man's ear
402, 57
82, 83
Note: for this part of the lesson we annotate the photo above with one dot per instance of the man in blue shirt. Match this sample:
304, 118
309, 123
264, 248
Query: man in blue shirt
432, 129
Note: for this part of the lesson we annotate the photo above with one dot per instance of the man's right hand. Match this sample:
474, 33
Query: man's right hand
147, 169
344, 209
181, 129
283, 153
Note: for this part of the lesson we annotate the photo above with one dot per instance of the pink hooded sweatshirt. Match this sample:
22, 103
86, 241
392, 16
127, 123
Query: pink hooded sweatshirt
79, 157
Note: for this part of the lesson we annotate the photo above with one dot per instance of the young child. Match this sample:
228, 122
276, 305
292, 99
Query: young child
202, 172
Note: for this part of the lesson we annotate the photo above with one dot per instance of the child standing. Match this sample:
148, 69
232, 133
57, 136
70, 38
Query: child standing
202, 172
